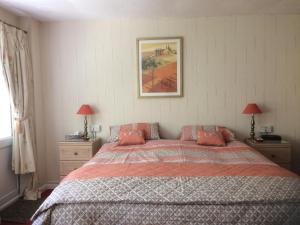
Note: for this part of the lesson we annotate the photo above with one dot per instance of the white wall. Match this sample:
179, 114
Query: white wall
8, 180
9, 17
228, 62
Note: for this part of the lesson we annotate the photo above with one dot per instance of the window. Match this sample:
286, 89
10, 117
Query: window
5, 113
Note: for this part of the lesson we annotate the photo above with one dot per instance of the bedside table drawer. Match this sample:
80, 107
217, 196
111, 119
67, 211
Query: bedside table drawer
278, 155
68, 166
75, 152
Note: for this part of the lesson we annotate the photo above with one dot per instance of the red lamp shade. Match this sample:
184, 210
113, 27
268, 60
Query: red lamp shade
252, 108
85, 110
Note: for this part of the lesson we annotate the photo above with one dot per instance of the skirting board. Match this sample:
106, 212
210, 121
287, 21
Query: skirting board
9, 202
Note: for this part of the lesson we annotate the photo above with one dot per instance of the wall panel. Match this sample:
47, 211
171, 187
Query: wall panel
228, 62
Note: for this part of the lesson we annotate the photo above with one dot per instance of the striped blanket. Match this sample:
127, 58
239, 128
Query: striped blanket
175, 182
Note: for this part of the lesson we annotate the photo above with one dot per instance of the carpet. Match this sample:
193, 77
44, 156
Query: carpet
21, 211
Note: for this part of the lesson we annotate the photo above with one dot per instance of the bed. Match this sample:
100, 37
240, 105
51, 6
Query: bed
175, 182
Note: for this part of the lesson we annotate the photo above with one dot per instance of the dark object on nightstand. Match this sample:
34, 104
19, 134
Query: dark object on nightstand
271, 137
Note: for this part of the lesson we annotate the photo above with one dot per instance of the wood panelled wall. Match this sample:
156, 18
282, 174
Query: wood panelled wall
228, 62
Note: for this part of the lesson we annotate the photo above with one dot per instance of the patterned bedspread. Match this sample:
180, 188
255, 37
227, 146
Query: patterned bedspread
172, 182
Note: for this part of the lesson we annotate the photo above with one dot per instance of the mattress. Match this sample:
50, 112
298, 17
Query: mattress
175, 182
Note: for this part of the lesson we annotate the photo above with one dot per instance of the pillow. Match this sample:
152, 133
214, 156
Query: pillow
189, 132
227, 134
214, 138
150, 130
131, 137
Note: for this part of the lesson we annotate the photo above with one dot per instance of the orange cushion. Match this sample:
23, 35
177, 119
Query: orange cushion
227, 134
151, 130
189, 132
210, 138
131, 137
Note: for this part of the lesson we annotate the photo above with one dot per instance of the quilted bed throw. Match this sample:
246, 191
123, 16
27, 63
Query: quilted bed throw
168, 182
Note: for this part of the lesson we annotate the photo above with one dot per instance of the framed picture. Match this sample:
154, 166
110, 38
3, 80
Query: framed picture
160, 67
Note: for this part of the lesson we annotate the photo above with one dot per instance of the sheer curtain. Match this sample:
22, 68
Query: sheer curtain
17, 70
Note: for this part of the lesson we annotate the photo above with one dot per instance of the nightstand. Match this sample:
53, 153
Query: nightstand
278, 152
73, 154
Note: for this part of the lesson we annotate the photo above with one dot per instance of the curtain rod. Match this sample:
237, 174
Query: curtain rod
13, 26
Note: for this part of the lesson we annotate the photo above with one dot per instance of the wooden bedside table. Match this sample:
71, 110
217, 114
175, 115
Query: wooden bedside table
278, 152
73, 154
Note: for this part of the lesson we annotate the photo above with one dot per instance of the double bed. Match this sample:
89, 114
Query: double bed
175, 182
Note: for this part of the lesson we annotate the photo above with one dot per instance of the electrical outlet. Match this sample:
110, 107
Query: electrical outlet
96, 127
267, 129
271, 129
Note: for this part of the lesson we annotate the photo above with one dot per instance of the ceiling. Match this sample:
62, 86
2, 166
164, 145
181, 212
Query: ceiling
59, 10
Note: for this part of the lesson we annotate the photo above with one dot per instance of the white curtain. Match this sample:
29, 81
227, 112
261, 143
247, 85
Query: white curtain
17, 70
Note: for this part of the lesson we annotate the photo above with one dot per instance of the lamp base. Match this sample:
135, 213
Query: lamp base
85, 138
85, 134
252, 133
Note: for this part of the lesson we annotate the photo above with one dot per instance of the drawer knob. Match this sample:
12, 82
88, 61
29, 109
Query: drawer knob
273, 156
75, 153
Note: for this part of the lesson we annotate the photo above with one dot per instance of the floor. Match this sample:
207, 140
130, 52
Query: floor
7, 223
20, 212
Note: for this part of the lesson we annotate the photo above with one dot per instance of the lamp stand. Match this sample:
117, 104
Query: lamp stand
85, 134
252, 133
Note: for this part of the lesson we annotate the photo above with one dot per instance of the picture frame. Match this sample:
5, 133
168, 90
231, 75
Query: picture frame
160, 67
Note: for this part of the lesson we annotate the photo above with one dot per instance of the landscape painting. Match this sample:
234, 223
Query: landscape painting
160, 67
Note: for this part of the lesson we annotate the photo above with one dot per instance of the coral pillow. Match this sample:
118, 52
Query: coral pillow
151, 130
189, 132
131, 137
227, 134
210, 138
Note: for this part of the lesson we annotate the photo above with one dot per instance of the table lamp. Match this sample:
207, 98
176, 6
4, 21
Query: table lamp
85, 110
252, 109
